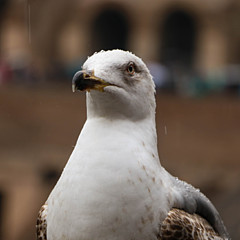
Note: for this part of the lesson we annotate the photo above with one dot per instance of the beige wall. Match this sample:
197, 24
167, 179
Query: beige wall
20, 192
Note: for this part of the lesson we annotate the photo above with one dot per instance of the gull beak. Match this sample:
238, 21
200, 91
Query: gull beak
86, 81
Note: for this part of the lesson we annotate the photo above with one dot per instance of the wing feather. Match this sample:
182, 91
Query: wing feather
180, 225
41, 226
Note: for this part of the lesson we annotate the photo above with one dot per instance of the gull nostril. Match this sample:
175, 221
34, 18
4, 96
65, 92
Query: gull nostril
86, 75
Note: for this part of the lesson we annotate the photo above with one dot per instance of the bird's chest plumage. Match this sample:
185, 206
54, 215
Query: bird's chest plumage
114, 194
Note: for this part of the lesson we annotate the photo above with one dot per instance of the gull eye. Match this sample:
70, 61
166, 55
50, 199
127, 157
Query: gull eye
131, 68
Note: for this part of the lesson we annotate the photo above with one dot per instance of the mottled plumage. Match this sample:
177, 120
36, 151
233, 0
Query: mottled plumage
41, 226
180, 225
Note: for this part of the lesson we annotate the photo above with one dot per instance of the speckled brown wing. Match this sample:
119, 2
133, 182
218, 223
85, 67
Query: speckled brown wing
180, 225
41, 226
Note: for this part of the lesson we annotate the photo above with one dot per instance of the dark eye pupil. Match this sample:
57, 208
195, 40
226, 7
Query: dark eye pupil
130, 68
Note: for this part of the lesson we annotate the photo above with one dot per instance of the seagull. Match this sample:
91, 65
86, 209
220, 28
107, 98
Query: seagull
113, 186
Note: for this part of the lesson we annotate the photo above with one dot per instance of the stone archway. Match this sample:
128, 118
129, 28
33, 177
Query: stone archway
109, 30
178, 39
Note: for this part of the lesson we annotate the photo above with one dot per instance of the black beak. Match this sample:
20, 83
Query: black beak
86, 80
78, 81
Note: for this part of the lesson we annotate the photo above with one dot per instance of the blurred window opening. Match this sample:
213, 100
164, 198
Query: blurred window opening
110, 30
178, 40
3, 4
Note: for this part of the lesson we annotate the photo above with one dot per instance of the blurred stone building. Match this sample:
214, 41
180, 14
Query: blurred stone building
52, 35
202, 35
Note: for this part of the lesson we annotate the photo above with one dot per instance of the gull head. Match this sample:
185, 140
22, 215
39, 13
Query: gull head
118, 85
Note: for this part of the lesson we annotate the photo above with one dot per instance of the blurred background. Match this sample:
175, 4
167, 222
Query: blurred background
192, 49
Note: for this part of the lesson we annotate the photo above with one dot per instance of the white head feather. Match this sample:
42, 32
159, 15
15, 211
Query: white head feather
131, 95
